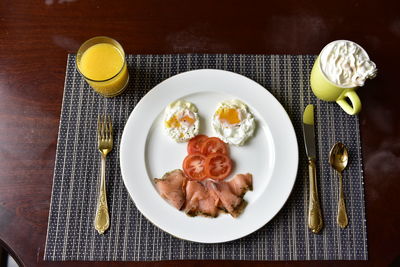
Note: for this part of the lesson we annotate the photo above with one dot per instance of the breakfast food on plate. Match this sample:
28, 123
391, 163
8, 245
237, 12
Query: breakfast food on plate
240, 183
200, 188
213, 145
207, 197
233, 122
218, 166
199, 201
194, 145
206, 145
194, 166
228, 201
181, 120
208, 158
172, 187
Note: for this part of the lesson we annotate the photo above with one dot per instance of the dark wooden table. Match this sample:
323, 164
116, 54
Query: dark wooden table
35, 37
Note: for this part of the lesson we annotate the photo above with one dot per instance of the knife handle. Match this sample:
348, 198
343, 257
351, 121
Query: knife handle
314, 210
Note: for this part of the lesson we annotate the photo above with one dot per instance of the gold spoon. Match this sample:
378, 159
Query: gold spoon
338, 158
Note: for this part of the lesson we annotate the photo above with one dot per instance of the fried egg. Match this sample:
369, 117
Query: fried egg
181, 120
232, 122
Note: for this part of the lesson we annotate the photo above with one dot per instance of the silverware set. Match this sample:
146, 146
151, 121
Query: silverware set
338, 159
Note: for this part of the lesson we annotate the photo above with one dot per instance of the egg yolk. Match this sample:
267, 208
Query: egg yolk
230, 115
175, 122
187, 119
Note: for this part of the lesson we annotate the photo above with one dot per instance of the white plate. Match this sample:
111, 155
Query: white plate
271, 155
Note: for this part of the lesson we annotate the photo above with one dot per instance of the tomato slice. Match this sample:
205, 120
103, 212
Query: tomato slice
193, 166
194, 145
218, 166
213, 145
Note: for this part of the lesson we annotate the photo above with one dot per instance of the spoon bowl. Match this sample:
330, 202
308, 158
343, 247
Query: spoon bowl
339, 157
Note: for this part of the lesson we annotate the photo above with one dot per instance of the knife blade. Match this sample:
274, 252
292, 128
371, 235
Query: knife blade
308, 130
315, 222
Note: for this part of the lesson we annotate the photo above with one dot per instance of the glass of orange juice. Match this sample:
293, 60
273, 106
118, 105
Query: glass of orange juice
101, 61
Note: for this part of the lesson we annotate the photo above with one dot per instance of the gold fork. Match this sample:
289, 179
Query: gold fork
105, 141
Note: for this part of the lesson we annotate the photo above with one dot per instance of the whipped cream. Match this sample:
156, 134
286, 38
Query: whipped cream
346, 64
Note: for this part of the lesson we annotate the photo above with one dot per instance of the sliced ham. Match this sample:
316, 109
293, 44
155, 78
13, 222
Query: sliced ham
206, 197
240, 183
199, 200
172, 187
194, 192
209, 206
229, 202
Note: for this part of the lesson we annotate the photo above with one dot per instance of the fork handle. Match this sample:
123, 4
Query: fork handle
102, 219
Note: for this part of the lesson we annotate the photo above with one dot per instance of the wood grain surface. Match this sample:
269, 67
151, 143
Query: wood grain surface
35, 37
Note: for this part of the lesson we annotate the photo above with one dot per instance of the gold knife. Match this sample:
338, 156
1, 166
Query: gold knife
314, 210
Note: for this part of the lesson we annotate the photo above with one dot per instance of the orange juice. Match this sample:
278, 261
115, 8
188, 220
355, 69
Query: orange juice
103, 65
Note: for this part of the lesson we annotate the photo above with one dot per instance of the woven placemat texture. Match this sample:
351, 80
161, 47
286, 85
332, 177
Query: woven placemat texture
131, 237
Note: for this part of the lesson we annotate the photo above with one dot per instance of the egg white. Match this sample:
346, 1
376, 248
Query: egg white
235, 134
184, 131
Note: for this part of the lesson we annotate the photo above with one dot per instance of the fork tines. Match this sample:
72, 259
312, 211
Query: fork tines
104, 127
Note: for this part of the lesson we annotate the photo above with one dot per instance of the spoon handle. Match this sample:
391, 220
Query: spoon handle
342, 214
314, 210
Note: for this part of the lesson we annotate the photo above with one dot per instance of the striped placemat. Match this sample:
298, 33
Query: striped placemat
131, 237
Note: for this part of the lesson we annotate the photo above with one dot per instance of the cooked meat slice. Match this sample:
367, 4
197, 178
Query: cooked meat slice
194, 191
209, 206
199, 201
228, 200
240, 183
171, 187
